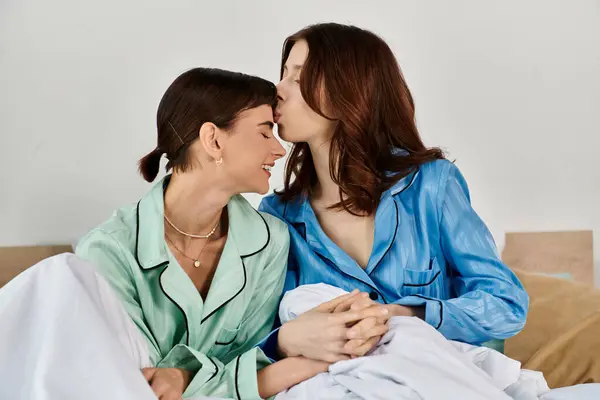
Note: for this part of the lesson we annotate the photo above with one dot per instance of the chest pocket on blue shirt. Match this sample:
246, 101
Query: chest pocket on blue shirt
427, 281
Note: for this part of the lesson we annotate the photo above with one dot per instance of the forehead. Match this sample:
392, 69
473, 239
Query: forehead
298, 54
256, 115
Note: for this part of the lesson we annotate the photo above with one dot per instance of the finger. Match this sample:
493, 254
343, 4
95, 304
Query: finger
366, 347
330, 305
377, 330
362, 304
367, 333
148, 373
351, 316
336, 347
345, 306
335, 334
332, 352
353, 344
359, 330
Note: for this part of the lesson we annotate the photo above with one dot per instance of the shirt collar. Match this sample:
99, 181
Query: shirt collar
297, 210
247, 227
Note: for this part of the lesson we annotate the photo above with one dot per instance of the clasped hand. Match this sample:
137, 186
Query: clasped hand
346, 327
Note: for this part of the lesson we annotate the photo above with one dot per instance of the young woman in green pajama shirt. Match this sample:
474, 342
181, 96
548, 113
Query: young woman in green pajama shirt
198, 269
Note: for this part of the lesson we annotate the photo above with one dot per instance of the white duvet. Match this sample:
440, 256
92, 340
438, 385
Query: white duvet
413, 361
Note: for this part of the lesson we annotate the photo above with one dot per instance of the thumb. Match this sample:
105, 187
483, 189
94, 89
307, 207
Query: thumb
148, 373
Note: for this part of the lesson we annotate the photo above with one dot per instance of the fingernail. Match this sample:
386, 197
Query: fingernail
384, 311
364, 295
351, 334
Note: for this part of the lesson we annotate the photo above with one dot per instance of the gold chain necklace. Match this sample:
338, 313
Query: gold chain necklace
190, 234
195, 260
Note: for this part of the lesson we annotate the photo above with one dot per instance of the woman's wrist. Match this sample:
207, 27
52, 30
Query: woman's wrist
286, 373
397, 310
284, 349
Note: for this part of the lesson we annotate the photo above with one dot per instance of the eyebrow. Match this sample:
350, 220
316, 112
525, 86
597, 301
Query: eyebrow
270, 124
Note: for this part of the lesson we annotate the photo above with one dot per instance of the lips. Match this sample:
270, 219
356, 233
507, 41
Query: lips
276, 117
267, 168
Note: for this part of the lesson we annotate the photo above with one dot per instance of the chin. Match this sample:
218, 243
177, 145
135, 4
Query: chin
290, 137
283, 133
258, 189
262, 191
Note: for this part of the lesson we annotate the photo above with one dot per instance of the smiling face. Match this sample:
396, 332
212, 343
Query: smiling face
249, 150
296, 120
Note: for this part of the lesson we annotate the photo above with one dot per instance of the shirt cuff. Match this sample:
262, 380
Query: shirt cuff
269, 346
181, 356
433, 308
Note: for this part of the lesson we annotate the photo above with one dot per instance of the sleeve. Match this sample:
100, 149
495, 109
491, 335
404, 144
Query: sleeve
490, 301
236, 379
268, 344
110, 260
270, 206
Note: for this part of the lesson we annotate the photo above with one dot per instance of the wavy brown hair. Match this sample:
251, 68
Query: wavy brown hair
354, 75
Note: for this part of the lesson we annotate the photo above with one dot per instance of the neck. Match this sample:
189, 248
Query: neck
327, 191
194, 202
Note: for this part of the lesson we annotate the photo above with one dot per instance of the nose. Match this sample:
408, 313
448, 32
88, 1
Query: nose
280, 91
278, 151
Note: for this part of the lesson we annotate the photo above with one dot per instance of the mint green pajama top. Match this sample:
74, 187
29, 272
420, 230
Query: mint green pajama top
215, 339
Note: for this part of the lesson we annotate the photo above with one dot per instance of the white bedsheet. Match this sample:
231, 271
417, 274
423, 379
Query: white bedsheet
65, 335
413, 361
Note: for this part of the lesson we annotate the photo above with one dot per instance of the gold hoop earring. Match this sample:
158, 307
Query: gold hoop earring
219, 161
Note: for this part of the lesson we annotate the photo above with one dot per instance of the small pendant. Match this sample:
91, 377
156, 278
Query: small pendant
197, 263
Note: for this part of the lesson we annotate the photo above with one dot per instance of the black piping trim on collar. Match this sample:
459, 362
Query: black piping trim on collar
149, 328
162, 264
268, 237
393, 239
137, 233
216, 369
412, 180
245, 273
424, 284
335, 265
355, 278
187, 326
441, 308
234, 296
237, 370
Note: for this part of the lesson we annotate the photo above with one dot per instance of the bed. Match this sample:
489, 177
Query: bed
561, 337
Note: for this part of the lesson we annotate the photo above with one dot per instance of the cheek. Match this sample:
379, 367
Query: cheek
250, 155
298, 113
310, 123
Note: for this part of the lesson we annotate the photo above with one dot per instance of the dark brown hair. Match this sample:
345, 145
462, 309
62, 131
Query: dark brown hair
353, 74
198, 96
